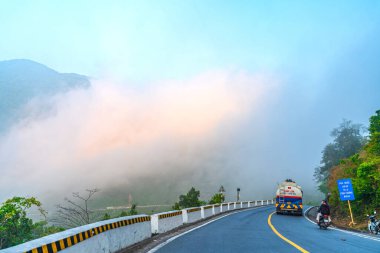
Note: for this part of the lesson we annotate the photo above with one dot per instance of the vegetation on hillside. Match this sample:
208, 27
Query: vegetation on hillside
132, 211
217, 198
16, 227
348, 140
363, 168
191, 199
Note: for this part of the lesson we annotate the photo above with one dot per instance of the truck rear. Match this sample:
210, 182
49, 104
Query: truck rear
289, 198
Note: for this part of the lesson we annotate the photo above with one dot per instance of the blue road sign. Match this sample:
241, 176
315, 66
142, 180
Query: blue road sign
346, 191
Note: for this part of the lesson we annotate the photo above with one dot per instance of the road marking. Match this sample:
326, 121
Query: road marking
159, 246
342, 230
283, 237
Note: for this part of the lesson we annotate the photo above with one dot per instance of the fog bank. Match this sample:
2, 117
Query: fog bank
113, 135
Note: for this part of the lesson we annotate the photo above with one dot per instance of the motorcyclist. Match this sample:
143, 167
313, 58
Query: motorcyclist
324, 209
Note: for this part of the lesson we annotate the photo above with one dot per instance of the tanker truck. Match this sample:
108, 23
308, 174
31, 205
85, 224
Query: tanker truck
289, 198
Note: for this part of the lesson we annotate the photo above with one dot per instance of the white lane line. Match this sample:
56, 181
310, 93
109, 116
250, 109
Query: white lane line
159, 246
344, 231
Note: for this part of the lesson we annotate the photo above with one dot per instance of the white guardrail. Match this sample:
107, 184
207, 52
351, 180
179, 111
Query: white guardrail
115, 234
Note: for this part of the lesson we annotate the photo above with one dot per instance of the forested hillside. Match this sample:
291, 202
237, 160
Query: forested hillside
22, 80
364, 169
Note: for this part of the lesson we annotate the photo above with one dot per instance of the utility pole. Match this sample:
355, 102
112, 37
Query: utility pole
238, 194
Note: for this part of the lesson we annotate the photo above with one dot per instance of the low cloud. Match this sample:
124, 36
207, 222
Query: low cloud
114, 134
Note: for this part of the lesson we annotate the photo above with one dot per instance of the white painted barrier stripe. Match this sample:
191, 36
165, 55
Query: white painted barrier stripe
342, 230
184, 233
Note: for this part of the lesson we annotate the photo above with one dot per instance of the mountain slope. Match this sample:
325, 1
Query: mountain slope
21, 80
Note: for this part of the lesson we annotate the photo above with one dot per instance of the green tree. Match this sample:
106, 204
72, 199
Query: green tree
106, 216
217, 198
364, 170
15, 227
374, 130
132, 211
348, 140
176, 206
41, 229
191, 199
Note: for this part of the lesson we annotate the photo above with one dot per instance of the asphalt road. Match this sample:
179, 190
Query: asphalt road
248, 231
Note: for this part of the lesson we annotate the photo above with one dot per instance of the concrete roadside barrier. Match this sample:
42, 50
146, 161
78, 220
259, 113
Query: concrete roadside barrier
207, 211
116, 234
162, 222
192, 214
217, 208
223, 207
104, 236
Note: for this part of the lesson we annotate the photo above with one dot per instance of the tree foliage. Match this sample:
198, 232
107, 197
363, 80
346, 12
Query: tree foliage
374, 131
132, 211
106, 216
191, 199
42, 228
15, 226
348, 140
217, 198
364, 170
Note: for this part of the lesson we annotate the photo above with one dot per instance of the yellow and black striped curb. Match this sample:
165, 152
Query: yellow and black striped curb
207, 207
167, 215
193, 210
74, 239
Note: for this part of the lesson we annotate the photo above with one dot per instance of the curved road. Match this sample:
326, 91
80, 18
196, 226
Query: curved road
248, 231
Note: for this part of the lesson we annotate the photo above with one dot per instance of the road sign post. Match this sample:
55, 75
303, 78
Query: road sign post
346, 192
352, 218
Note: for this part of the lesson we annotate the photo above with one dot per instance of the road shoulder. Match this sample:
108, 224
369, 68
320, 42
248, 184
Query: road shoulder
311, 215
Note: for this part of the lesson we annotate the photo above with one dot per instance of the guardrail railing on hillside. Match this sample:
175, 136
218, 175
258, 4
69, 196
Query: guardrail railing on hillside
115, 234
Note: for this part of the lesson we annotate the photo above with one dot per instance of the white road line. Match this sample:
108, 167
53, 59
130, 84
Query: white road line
344, 231
307, 218
159, 246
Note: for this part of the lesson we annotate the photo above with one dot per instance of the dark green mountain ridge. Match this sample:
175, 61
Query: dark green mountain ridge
22, 80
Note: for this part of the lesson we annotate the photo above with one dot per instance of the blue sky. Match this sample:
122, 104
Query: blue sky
326, 55
164, 39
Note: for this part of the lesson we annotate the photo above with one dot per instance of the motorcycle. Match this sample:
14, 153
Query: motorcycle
324, 221
373, 224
